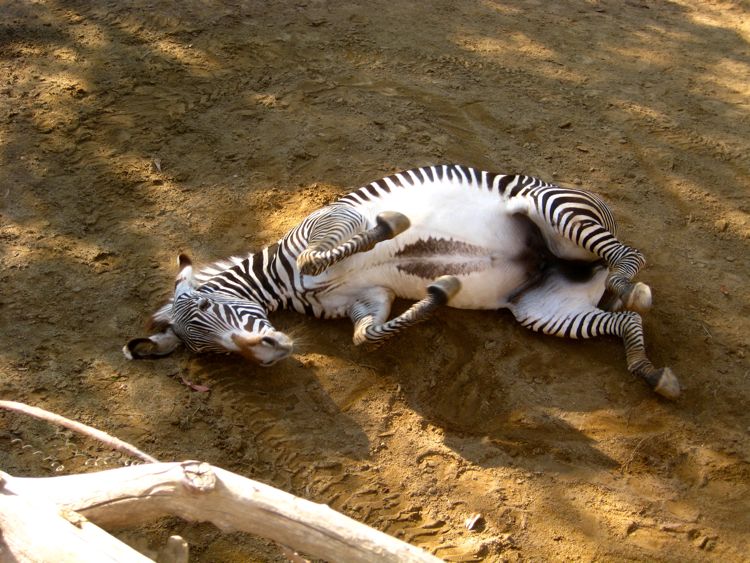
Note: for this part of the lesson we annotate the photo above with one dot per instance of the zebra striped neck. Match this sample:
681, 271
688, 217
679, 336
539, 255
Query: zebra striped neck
265, 277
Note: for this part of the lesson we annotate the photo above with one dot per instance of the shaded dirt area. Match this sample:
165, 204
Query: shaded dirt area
132, 131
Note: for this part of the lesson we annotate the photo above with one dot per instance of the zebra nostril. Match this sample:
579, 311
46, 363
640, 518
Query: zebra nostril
268, 341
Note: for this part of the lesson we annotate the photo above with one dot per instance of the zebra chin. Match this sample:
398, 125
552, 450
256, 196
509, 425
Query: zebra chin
264, 349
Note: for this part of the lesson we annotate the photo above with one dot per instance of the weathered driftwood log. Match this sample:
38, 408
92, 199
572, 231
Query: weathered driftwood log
200, 492
47, 519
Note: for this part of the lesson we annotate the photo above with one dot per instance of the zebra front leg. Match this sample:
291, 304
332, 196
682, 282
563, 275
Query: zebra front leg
562, 308
328, 240
369, 315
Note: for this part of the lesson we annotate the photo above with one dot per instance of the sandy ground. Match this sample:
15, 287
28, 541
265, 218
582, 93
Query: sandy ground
130, 131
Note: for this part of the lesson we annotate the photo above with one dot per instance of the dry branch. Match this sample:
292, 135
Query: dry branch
111, 441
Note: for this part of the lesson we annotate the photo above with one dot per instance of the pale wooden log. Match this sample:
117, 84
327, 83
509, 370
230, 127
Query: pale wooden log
35, 531
199, 492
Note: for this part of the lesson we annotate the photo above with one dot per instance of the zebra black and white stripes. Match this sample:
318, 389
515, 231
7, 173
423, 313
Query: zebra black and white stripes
549, 254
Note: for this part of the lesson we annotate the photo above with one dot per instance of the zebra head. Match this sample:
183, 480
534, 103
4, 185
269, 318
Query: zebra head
211, 322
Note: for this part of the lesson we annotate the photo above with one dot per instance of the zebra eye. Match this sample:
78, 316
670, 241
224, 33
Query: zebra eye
203, 303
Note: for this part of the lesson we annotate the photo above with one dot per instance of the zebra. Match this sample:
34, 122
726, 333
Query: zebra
438, 235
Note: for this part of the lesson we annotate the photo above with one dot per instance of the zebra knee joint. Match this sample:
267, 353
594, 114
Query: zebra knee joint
309, 264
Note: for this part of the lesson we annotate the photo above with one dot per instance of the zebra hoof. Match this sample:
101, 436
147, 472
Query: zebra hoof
667, 384
139, 348
444, 288
637, 298
394, 222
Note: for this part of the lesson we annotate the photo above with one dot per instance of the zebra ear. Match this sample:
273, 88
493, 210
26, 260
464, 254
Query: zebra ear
185, 280
159, 344
161, 319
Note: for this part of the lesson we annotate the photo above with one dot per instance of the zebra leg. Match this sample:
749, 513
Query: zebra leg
563, 308
369, 315
341, 232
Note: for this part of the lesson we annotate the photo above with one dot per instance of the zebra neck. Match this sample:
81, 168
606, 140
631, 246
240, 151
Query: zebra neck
264, 277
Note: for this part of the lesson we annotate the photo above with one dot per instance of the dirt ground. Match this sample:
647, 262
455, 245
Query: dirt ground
131, 131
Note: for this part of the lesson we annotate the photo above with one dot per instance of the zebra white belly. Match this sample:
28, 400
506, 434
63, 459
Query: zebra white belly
476, 241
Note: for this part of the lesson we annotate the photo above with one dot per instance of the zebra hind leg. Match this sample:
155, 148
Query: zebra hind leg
328, 240
369, 315
563, 308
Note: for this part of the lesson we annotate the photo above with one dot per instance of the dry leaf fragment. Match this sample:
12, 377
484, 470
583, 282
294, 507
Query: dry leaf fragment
195, 386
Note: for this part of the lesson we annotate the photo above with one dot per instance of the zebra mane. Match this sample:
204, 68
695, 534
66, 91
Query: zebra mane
161, 319
215, 268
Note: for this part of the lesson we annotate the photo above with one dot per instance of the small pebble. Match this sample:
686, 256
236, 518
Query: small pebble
472, 521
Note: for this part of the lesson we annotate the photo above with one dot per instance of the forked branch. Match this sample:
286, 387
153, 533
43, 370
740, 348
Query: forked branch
192, 490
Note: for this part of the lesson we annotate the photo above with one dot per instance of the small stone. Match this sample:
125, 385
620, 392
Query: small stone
632, 527
473, 521
721, 225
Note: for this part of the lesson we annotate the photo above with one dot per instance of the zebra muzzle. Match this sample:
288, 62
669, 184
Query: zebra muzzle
266, 349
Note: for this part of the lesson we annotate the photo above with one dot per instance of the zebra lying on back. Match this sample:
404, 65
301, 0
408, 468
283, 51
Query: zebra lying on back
438, 235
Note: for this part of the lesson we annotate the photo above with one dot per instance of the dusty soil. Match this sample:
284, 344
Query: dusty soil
132, 131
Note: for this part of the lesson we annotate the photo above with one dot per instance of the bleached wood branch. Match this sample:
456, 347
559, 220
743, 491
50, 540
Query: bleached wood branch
200, 492
111, 441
